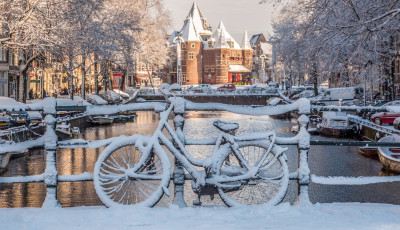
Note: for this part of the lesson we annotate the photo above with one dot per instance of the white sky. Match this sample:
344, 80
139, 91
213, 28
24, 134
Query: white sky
235, 14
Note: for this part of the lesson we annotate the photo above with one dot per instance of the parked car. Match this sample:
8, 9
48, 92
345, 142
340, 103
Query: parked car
396, 123
378, 104
202, 88
384, 118
227, 87
19, 118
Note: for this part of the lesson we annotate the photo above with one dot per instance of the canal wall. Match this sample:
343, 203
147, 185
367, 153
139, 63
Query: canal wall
225, 99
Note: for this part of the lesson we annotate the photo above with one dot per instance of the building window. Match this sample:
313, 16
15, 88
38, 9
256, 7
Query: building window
3, 53
3, 84
193, 45
191, 56
183, 77
206, 70
212, 70
183, 45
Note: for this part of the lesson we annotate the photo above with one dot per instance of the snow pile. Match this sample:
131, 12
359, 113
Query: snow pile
121, 93
393, 109
66, 102
34, 115
7, 103
96, 100
319, 216
80, 101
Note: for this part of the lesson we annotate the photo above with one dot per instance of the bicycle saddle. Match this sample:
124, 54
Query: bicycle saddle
225, 126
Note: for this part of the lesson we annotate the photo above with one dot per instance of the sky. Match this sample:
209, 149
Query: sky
237, 15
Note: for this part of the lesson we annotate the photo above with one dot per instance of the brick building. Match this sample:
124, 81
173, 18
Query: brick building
214, 58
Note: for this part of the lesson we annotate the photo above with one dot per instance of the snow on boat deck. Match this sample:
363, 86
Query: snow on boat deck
317, 216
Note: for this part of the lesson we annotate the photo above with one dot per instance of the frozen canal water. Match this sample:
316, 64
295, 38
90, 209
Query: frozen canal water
323, 161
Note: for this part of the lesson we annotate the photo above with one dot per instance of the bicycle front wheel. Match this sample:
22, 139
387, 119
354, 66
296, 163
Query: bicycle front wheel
115, 182
270, 184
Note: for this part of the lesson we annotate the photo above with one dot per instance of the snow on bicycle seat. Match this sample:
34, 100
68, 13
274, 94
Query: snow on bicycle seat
225, 126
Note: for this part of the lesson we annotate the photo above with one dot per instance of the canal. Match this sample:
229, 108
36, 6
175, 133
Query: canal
323, 161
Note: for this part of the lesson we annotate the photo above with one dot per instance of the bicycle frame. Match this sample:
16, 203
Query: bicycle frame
221, 151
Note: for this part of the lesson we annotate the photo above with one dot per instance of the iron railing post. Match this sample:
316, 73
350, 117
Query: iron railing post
179, 172
51, 174
303, 169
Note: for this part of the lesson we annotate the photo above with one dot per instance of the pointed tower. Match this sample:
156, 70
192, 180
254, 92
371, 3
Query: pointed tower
245, 42
221, 41
188, 31
199, 22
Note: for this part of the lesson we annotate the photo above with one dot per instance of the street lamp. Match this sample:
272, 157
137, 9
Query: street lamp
178, 41
263, 78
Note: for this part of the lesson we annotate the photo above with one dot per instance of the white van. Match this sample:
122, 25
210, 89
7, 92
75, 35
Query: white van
340, 96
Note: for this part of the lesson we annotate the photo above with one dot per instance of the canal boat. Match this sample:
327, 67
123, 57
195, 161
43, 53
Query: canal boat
63, 130
5, 122
368, 151
334, 124
4, 159
102, 120
19, 118
390, 156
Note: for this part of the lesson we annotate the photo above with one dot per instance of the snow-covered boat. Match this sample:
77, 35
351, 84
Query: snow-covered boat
63, 130
4, 159
334, 124
368, 151
102, 120
390, 156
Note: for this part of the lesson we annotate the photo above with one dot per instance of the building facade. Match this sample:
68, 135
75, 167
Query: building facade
211, 57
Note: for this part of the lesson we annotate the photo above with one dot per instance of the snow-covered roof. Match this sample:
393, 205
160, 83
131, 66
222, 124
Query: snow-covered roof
188, 31
238, 68
172, 37
254, 39
223, 39
198, 20
245, 42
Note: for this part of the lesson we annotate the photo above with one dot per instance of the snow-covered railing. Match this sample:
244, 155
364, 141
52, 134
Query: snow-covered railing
363, 122
211, 92
354, 108
49, 141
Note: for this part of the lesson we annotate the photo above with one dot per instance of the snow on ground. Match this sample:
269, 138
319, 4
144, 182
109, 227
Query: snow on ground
318, 216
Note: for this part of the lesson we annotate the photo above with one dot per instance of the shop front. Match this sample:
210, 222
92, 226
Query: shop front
239, 75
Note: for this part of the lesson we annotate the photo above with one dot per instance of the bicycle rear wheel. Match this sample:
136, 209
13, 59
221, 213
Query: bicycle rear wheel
115, 182
270, 184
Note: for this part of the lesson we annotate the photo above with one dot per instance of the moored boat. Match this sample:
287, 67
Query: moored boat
368, 151
63, 130
102, 120
334, 124
390, 156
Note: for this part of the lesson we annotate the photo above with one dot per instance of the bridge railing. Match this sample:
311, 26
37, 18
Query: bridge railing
51, 178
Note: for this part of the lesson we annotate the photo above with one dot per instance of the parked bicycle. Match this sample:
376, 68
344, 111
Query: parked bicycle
243, 170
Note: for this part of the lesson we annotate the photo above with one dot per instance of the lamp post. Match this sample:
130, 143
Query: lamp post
178, 41
263, 78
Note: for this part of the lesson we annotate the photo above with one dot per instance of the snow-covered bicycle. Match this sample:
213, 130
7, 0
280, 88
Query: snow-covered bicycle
243, 170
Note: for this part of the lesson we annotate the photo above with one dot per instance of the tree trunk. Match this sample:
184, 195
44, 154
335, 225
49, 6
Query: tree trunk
96, 76
83, 69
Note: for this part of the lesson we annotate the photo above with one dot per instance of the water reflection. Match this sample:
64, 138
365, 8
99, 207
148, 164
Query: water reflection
323, 160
